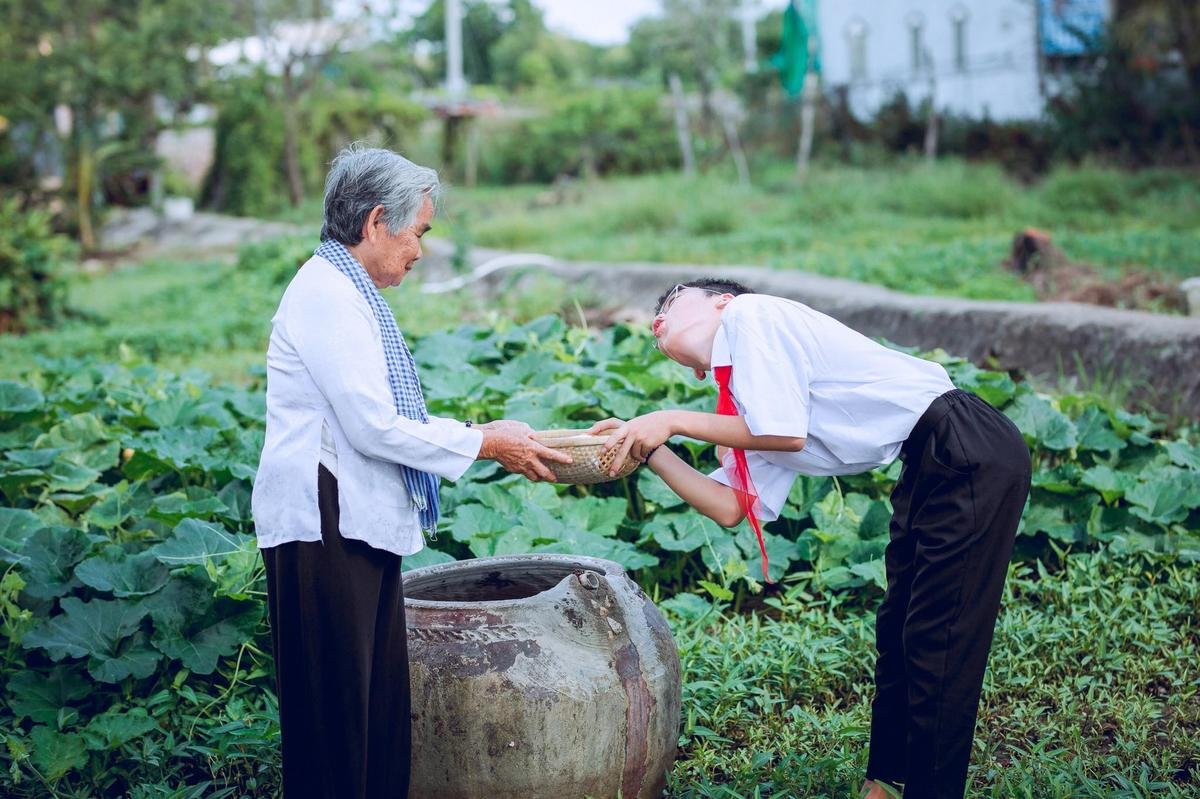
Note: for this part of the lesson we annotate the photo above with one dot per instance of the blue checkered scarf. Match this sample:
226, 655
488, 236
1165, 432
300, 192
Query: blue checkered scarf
402, 375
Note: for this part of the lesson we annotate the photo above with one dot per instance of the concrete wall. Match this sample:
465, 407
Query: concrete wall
1158, 354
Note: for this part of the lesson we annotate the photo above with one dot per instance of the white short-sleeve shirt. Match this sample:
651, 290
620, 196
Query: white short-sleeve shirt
798, 372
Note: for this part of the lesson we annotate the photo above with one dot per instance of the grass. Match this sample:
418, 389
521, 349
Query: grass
215, 317
1093, 690
940, 229
1094, 683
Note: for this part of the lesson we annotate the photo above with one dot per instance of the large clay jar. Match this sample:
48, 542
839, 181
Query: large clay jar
538, 677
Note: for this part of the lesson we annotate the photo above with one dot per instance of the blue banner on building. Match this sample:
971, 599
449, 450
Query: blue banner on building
1072, 27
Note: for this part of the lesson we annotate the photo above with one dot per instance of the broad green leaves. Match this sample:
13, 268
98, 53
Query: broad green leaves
56, 753
42, 696
194, 627
107, 632
50, 558
16, 526
230, 560
113, 729
127, 535
1166, 496
122, 574
19, 398
1041, 423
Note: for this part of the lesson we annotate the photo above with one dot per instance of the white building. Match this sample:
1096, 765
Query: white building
976, 57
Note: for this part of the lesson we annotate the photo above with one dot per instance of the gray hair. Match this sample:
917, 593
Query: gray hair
361, 178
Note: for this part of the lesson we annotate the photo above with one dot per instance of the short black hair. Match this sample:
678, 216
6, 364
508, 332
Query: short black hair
716, 284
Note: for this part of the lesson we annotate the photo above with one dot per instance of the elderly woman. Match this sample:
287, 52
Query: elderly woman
348, 482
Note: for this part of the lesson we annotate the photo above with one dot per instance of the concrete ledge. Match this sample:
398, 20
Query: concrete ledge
1157, 353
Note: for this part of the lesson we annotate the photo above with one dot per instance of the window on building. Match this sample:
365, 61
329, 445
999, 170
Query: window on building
958, 19
916, 42
857, 34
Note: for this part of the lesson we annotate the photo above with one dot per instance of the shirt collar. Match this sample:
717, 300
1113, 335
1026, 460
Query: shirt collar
720, 348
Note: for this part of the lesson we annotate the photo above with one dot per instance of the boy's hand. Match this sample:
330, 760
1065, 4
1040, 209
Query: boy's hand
637, 437
600, 428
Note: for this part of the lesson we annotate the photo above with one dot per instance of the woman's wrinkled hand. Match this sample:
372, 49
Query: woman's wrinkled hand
511, 426
520, 454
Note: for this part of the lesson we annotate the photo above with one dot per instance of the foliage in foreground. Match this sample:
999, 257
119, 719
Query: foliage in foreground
1093, 688
131, 601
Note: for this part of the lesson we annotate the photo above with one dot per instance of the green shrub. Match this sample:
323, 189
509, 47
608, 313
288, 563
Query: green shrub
336, 117
612, 130
949, 189
637, 212
708, 218
1088, 189
248, 176
133, 645
33, 288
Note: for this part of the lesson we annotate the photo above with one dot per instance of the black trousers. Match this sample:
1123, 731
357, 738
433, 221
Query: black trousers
341, 663
956, 509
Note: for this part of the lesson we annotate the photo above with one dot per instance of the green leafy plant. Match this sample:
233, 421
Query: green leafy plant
131, 602
33, 287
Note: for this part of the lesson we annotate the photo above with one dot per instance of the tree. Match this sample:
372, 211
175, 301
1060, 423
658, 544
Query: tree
104, 64
482, 28
504, 44
1139, 100
697, 39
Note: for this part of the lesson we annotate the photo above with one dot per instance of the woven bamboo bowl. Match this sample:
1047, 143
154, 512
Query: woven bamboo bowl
590, 462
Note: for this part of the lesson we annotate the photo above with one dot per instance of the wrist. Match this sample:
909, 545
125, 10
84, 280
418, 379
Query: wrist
487, 447
675, 423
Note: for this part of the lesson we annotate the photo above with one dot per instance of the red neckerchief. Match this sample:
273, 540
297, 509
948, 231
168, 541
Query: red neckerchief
743, 486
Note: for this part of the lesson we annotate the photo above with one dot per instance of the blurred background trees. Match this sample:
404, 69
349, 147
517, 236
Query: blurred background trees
270, 88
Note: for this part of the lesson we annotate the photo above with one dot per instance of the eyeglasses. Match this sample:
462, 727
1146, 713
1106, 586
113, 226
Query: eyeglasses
674, 293
669, 300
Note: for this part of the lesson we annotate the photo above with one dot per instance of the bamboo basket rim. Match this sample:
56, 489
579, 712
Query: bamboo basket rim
562, 439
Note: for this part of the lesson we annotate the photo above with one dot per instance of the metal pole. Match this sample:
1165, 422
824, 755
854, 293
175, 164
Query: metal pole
749, 37
455, 84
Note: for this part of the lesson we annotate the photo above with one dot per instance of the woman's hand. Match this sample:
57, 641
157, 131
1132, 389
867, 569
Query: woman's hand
510, 426
635, 438
520, 454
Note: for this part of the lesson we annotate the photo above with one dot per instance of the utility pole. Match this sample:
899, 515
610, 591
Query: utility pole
810, 87
679, 106
455, 84
749, 36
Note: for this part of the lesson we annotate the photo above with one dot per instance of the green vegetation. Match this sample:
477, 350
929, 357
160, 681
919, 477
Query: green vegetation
33, 284
215, 317
133, 653
934, 229
1091, 689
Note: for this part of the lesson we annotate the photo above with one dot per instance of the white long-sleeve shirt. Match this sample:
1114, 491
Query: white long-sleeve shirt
326, 370
799, 373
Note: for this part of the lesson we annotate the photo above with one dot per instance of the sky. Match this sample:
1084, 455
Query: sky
597, 21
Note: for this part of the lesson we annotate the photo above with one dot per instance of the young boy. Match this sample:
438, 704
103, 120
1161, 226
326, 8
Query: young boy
800, 393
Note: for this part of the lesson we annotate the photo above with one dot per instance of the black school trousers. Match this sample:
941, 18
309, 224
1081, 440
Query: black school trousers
341, 663
956, 509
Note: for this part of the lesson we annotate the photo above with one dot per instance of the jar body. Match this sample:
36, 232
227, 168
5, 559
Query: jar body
538, 676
